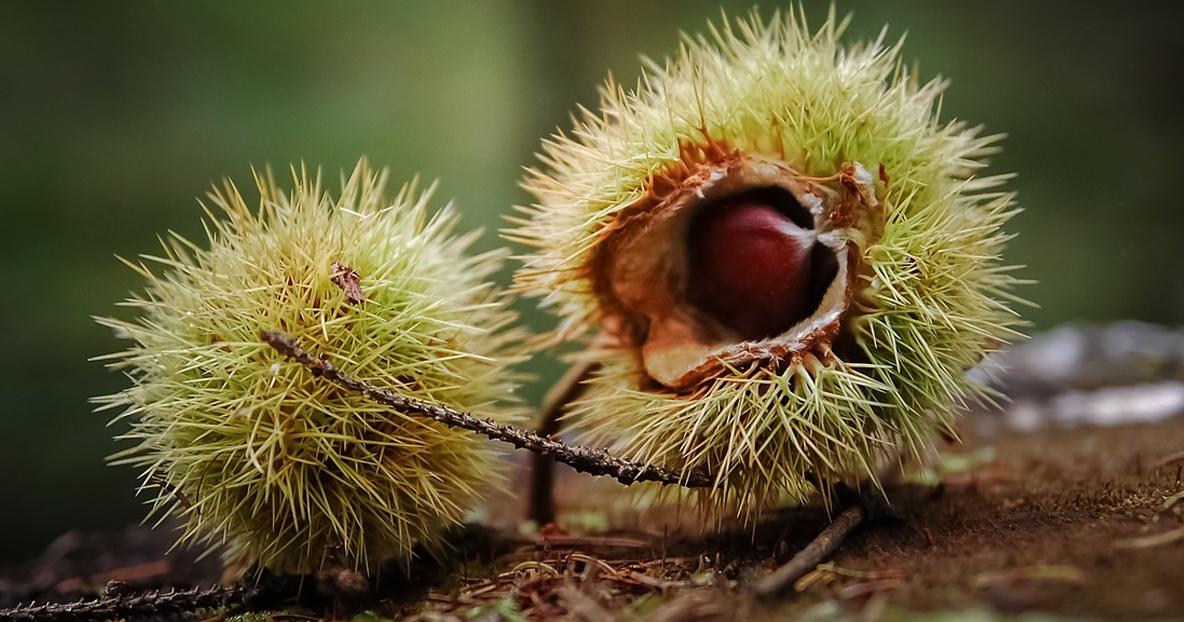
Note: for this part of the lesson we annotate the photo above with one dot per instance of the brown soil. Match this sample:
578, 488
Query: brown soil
1072, 498
1059, 521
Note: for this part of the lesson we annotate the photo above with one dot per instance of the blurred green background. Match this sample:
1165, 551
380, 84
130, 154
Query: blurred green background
114, 116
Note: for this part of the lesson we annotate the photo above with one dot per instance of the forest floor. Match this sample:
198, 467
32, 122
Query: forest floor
1081, 523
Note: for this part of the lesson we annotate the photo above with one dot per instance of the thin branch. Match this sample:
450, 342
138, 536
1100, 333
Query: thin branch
585, 459
1168, 459
808, 558
541, 500
121, 604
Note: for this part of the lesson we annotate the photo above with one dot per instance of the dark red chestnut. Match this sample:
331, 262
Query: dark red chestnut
750, 267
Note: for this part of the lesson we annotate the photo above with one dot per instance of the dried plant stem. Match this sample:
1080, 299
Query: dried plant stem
541, 502
808, 558
590, 460
151, 603
586, 459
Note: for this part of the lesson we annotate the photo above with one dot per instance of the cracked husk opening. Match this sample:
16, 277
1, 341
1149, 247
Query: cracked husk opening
642, 276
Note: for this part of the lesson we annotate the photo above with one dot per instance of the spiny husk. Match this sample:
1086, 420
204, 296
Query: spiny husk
257, 455
931, 297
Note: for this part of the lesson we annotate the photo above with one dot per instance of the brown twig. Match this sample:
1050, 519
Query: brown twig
808, 558
1168, 459
119, 604
1146, 542
689, 606
541, 502
590, 460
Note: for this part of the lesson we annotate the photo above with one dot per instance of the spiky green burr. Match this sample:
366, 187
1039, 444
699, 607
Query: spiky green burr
259, 457
770, 151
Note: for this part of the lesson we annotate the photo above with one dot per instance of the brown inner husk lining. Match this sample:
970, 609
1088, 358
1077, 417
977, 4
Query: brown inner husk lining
638, 269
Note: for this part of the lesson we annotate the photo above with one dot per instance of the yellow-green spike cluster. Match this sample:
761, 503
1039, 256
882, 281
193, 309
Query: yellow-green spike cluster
258, 456
930, 296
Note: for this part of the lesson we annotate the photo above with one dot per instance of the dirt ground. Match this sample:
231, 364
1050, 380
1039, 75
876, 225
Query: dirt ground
1085, 522
1062, 520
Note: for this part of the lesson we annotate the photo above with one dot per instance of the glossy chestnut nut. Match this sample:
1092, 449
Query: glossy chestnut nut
751, 265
